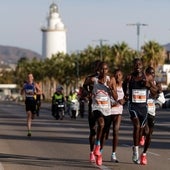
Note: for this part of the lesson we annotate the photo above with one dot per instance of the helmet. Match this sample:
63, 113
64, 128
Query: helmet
59, 88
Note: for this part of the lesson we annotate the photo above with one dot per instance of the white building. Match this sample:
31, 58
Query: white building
9, 92
54, 34
163, 75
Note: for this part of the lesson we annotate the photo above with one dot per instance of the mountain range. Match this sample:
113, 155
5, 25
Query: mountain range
9, 54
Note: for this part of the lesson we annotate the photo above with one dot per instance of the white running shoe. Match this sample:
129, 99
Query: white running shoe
114, 159
135, 157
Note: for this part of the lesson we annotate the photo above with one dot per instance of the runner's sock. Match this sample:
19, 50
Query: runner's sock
98, 142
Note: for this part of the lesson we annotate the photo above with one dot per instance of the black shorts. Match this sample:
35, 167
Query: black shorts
138, 110
30, 105
107, 122
97, 114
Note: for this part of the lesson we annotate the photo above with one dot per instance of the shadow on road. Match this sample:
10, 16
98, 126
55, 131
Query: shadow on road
43, 161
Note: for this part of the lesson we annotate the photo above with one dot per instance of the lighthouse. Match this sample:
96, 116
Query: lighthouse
54, 34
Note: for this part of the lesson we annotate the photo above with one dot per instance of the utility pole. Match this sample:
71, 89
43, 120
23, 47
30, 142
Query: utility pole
77, 67
138, 25
101, 45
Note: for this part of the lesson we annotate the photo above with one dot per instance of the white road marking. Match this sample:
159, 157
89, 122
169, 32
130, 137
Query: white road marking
102, 167
152, 153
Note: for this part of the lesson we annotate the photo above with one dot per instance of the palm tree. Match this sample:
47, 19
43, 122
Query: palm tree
153, 54
122, 56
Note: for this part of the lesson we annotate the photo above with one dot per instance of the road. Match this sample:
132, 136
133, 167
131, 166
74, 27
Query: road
63, 144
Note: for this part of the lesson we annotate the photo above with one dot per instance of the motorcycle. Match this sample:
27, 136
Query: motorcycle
74, 108
58, 110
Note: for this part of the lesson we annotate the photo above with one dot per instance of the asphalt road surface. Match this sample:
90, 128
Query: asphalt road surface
63, 144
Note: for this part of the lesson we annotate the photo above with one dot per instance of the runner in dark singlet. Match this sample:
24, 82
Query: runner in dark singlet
136, 88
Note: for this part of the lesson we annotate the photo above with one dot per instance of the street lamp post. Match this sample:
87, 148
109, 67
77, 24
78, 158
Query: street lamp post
101, 45
77, 68
138, 25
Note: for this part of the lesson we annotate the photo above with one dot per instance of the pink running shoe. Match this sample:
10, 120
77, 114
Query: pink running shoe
143, 159
97, 150
99, 160
92, 157
142, 141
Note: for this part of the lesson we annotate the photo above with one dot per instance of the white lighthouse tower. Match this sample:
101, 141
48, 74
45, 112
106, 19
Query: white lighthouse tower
54, 35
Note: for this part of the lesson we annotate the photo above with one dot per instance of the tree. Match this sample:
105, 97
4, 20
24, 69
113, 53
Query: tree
20, 72
7, 77
153, 54
122, 57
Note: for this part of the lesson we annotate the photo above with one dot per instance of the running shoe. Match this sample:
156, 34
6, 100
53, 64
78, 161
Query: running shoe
142, 141
97, 150
99, 160
29, 134
143, 159
92, 157
135, 157
114, 159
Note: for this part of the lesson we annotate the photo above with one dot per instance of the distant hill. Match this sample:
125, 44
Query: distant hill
10, 54
167, 47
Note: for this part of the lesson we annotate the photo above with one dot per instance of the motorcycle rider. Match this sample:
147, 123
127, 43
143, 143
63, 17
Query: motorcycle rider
58, 99
74, 103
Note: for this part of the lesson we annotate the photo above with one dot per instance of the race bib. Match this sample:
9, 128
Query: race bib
103, 101
138, 95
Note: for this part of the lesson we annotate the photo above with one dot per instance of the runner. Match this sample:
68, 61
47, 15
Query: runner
38, 98
115, 117
29, 89
136, 88
87, 92
146, 140
103, 90
116, 113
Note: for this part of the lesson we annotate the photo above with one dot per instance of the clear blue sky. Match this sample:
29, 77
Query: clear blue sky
86, 21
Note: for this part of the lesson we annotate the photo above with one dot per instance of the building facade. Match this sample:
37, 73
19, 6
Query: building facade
54, 34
